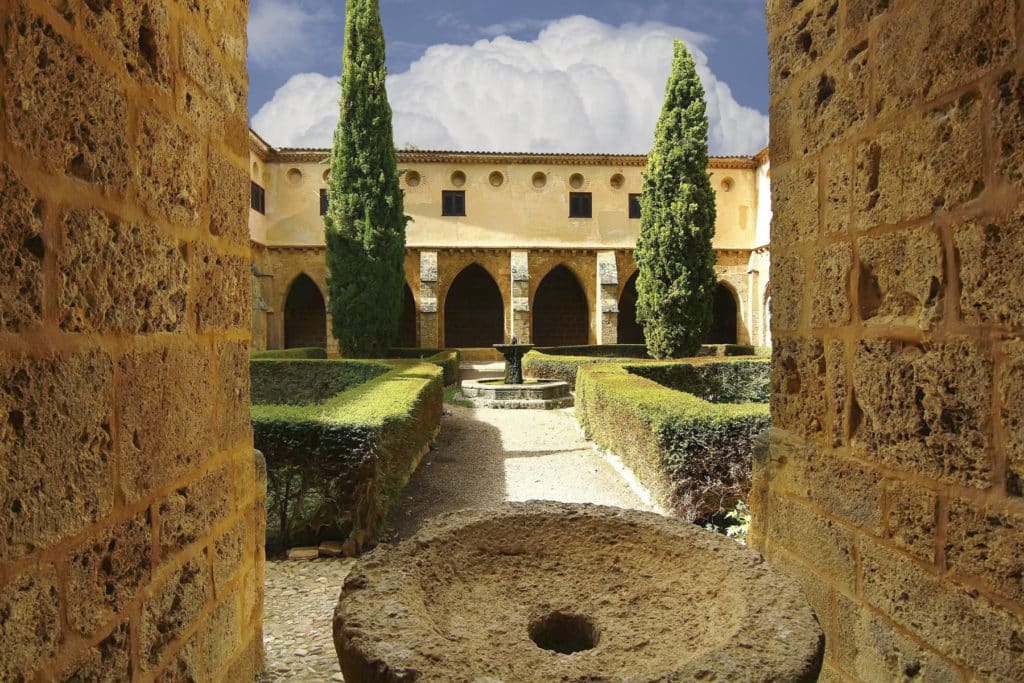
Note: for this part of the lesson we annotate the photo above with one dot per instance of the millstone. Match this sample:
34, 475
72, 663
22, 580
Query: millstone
547, 591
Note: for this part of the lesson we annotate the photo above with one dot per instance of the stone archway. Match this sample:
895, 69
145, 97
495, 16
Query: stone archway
407, 323
724, 312
305, 315
474, 311
561, 316
629, 330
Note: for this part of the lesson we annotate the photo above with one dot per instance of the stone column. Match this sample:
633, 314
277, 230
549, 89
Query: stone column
520, 309
430, 336
607, 304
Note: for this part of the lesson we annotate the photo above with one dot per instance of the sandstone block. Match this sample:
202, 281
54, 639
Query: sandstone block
834, 103
838, 189
200, 63
913, 518
780, 130
110, 660
991, 259
223, 635
64, 112
172, 607
818, 592
55, 473
830, 284
230, 550
795, 204
166, 408
234, 422
937, 46
835, 381
1008, 127
788, 275
105, 573
912, 414
989, 544
901, 279
30, 623
121, 277
191, 512
798, 399
186, 666
250, 664
878, 182
21, 254
170, 170
860, 12
303, 553
800, 46
228, 189
223, 289
208, 117
964, 626
135, 33
1011, 390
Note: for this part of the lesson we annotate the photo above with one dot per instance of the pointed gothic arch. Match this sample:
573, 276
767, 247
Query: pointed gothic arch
474, 310
561, 315
305, 315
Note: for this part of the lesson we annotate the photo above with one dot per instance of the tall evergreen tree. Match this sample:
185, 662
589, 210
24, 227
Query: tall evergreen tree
676, 262
365, 223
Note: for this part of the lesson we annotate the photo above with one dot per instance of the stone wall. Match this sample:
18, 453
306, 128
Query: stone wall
893, 483
131, 508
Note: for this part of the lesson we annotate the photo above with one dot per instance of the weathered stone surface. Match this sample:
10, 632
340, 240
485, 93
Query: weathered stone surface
833, 103
1008, 127
837, 388
22, 249
30, 623
525, 563
838, 192
166, 408
122, 277
62, 111
798, 397
901, 279
223, 289
110, 660
934, 47
223, 635
962, 625
200, 63
991, 256
303, 553
172, 608
830, 283
428, 266
860, 12
803, 44
106, 571
229, 550
878, 183
55, 473
913, 518
795, 204
191, 512
170, 169
914, 415
788, 275
1011, 392
186, 666
135, 33
989, 544
229, 186
234, 422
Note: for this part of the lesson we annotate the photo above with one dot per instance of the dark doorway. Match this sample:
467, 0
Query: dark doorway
629, 330
407, 324
474, 312
560, 312
305, 315
723, 317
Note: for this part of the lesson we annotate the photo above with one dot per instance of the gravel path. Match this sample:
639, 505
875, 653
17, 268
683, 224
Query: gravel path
483, 457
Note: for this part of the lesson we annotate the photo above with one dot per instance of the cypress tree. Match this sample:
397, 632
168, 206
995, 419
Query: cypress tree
365, 222
677, 280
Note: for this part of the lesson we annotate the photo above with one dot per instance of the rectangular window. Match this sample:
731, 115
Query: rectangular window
580, 205
323, 202
257, 198
634, 206
453, 203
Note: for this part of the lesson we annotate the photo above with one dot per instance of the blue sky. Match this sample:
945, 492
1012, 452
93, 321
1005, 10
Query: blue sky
563, 75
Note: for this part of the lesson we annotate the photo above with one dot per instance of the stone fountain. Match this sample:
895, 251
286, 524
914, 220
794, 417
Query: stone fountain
554, 592
515, 391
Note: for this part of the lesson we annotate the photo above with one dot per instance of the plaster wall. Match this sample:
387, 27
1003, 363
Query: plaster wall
131, 505
892, 485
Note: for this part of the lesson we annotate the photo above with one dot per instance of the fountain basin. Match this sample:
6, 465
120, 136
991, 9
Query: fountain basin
539, 394
555, 592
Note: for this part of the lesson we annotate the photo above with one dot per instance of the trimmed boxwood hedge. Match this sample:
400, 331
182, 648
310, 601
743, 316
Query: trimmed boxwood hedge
563, 362
336, 467
289, 354
448, 359
692, 454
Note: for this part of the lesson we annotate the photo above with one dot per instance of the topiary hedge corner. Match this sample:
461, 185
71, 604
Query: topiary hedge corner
693, 454
340, 452
449, 359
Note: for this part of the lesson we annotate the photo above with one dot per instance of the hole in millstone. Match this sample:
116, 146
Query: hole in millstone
564, 633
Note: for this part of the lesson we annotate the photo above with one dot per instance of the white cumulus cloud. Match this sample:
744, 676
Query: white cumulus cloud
580, 86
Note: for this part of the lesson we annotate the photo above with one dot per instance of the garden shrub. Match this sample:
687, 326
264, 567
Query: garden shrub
449, 359
293, 354
694, 455
304, 382
336, 467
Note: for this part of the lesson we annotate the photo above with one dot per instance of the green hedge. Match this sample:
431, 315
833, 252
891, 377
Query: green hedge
289, 354
336, 468
692, 454
617, 351
449, 359
304, 382
727, 381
